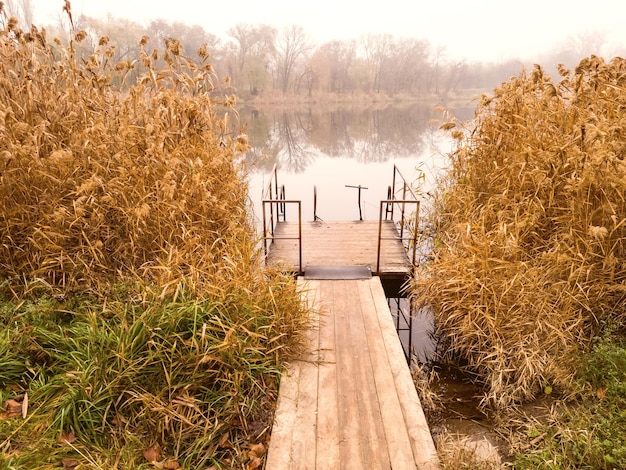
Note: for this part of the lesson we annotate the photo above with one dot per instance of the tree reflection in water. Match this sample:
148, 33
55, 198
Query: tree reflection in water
333, 146
294, 137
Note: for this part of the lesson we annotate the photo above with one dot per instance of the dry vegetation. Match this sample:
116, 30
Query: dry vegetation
137, 323
96, 182
531, 223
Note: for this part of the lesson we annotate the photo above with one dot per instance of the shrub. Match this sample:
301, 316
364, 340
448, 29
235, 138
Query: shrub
138, 323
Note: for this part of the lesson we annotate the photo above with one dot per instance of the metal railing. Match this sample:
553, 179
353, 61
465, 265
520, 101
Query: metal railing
274, 205
395, 210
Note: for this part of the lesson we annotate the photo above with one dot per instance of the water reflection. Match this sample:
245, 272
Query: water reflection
328, 148
295, 137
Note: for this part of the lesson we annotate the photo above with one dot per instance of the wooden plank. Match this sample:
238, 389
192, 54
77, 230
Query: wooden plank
305, 424
327, 407
374, 442
304, 429
294, 425
347, 408
422, 443
399, 445
279, 454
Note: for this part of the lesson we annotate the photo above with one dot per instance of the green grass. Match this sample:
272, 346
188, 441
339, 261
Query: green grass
125, 375
589, 432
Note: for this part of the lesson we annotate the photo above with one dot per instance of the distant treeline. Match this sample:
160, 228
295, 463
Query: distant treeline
264, 62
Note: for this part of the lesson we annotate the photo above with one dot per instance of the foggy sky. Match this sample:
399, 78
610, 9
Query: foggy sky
474, 30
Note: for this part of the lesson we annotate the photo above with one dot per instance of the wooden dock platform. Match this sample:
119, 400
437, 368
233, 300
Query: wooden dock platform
353, 243
349, 402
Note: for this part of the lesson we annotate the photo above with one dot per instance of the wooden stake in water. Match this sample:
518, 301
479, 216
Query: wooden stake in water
359, 187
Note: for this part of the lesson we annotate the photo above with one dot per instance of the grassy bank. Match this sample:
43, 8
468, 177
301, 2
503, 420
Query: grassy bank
138, 328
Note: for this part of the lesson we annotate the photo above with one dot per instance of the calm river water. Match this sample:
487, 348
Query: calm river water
329, 147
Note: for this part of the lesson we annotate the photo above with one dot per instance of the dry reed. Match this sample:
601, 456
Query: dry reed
531, 224
102, 178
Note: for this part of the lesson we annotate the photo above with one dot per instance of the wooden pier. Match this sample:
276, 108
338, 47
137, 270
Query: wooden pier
349, 402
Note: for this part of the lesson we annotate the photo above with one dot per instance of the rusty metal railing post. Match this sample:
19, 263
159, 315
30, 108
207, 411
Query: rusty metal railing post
300, 235
380, 235
393, 188
402, 219
417, 215
359, 187
264, 231
281, 206
406, 242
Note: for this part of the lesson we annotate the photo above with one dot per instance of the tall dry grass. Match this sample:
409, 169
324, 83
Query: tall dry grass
102, 178
138, 322
531, 223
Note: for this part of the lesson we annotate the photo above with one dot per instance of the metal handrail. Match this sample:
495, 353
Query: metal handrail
274, 202
408, 242
389, 206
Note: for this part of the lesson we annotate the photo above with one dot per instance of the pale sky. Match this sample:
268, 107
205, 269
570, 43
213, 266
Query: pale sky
478, 29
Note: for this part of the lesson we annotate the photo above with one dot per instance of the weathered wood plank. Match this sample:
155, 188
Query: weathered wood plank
421, 440
399, 446
279, 455
305, 424
327, 405
339, 243
372, 426
350, 438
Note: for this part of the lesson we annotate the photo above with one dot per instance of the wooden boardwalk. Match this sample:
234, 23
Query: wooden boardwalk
352, 243
349, 402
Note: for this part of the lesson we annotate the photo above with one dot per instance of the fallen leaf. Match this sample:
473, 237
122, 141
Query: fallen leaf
119, 421
601, 393
69, 464
67, 437
223, 440
13, 408
152, 454
256, 450
171, 465
257, 429
254, 463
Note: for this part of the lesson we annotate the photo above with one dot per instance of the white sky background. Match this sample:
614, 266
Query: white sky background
487, 30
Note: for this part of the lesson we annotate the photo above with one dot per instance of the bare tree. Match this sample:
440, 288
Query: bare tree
292, 47
332, 63
377, 49
253, 48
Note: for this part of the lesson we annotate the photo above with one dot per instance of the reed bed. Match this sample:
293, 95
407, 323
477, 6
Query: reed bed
530, 251
138, 326
101, 177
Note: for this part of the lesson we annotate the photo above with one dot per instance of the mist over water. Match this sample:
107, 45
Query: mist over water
328, 149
